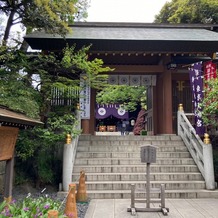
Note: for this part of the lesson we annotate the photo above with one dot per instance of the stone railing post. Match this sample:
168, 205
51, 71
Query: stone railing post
180, 110
69, 154
67, 162
208, 163
201, 152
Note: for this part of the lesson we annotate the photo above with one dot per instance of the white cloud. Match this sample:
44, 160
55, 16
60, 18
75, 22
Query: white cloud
124, 10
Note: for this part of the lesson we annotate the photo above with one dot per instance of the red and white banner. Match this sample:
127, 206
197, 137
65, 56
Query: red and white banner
209, 70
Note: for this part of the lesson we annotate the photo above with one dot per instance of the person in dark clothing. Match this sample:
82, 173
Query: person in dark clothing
119, 126
123, 127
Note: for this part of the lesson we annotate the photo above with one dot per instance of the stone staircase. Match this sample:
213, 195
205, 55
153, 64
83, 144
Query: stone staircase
112, 164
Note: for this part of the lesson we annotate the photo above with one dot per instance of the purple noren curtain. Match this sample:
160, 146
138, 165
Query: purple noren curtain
104, 111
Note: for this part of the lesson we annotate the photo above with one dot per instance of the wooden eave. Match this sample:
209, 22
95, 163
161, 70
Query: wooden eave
15, 119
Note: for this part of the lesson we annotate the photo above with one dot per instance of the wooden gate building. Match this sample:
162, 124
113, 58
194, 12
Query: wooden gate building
162, 51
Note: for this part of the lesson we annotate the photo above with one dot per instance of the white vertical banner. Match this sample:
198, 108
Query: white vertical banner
85, 97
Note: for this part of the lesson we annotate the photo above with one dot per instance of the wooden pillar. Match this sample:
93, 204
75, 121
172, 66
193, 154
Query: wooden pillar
85, 126
155, 110
167, 103
159, 105
92, 112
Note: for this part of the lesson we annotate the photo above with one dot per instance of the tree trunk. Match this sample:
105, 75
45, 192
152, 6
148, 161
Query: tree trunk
8, 28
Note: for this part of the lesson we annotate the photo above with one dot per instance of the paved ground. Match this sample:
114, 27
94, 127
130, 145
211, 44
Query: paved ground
178, 208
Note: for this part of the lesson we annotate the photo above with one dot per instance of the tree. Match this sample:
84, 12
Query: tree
38, 148
188, 11
22, 91
16, 92
52, 16
128, 96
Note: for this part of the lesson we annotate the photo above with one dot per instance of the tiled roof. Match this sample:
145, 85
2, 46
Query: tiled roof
125, 32
101, 34
137, 34
11, 118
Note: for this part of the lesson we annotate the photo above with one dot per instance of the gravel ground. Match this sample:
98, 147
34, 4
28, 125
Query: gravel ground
21, 192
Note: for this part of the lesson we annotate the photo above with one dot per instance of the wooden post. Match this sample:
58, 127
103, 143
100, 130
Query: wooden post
52, 214
70, 209
81, 195
8, 183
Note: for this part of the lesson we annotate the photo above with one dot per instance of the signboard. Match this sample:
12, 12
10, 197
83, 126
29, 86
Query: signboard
8, 136
148, 154
85, 97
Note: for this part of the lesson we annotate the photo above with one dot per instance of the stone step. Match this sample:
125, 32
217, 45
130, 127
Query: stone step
140, 176
132, 161
126, 194
141, 185
123, 148
131, 143
183, 154
134, 168
129, 138
113, 163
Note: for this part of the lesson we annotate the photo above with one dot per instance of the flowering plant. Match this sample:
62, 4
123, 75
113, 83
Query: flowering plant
30, 207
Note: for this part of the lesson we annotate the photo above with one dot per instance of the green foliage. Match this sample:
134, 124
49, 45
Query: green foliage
16, 91
27, 81
210, 103
52, 16
53, 70
78, 62
40, 149
30, 207
81, 10
128, 96
188, 11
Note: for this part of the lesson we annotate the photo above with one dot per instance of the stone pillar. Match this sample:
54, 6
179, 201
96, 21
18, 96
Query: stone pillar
67, 162
208, 163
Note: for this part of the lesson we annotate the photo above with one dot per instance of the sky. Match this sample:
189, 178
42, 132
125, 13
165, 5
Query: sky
141, 11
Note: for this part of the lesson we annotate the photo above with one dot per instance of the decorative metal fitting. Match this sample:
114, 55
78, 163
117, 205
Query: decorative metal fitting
206, 139
180, 107
68, 139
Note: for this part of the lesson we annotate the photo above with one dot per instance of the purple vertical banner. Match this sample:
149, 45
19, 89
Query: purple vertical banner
196, 79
